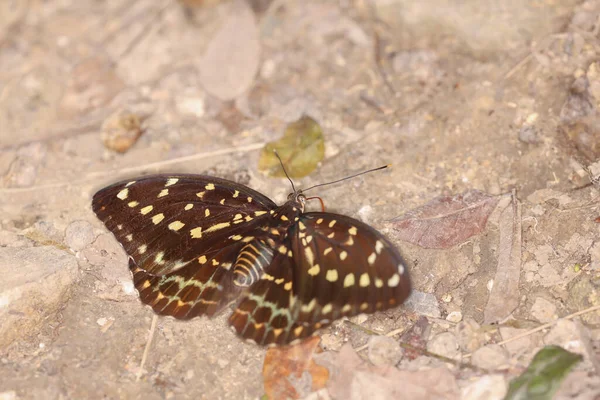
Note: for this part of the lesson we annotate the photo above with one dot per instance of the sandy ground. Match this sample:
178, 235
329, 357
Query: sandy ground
501, 97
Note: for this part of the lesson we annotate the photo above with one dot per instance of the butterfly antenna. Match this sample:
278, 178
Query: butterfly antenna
348, 177
284, 171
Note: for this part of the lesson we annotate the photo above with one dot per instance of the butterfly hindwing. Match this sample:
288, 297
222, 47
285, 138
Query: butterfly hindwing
344, 267
334, 266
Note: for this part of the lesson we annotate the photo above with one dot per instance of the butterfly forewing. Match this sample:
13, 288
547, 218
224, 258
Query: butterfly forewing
182, 233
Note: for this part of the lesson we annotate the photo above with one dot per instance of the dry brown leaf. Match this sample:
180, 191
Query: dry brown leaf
231, 60
353, 379
504, 297
290, 372
446, 221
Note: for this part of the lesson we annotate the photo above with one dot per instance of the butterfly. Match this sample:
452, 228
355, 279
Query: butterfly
199, 243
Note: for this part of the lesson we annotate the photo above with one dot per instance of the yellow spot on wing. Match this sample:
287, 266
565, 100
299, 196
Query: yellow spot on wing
394, 280
298, 330
176, 225
310, 306
123, 194
343, 255
349, 280
309, 255
249, 199
207, 212
133, 204
346, 308
259, 213
163, 193
319, 221
200, 194
129, 237
157, 218
378, 283
332, 275
364, 280
146, 284
314, 270
142, 249
352, 230
327, 308
210, 186
171, 181
236, 194
378, 246
332, 223
288, 286
327, 251
202, 259
371, 259
189, 207
196, 232
284, 218
146, 210
217, 227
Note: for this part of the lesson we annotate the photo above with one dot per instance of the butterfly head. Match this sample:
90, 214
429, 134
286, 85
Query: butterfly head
297, 199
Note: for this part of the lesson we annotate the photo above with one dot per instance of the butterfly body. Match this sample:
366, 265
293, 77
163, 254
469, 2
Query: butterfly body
196, 243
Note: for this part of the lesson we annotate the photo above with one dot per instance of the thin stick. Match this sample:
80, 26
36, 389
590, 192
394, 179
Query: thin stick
542, 327
127, 170
147, 348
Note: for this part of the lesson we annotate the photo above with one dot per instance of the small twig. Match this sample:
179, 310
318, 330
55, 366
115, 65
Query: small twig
147, 348
545, 326
362, 328
379, 63
410, 347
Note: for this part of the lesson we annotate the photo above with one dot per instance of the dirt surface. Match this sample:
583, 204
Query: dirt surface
499, 97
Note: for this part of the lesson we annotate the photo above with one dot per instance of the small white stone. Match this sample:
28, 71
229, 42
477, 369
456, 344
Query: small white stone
128, 287
101, 321
454, 316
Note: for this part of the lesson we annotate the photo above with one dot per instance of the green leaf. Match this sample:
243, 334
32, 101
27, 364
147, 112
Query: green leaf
301, 149
544, 375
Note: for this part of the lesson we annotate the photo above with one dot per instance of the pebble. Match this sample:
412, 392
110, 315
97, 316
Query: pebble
423, 304
454, 316
489, 387
543, 310
470, 336
33, 290
490, 357
79, 235
445, 344
384, 350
